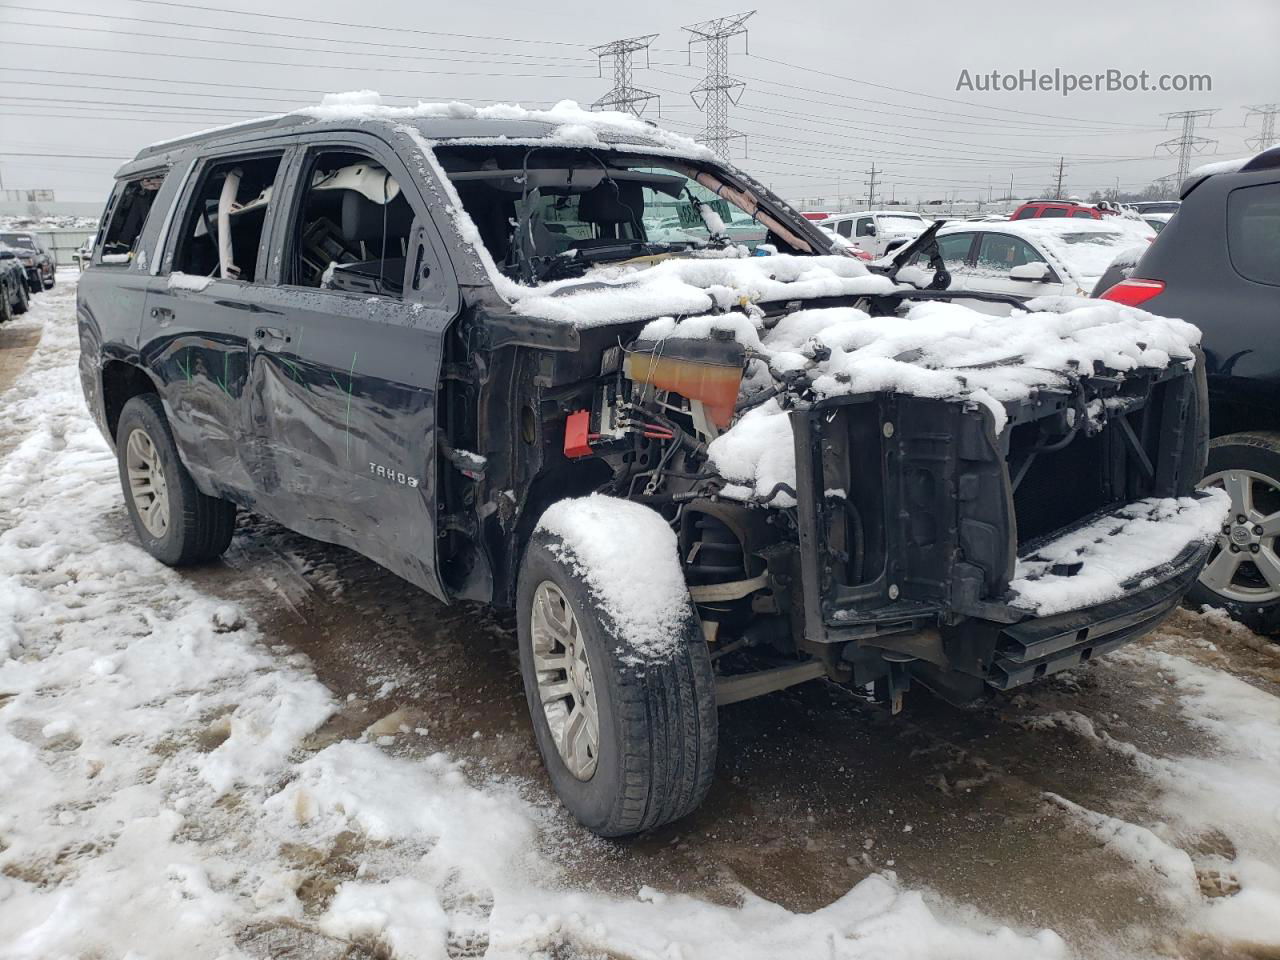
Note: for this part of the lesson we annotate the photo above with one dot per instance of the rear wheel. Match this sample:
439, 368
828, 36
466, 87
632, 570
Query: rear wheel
176, 523
627, 746
6, 306
1243, 572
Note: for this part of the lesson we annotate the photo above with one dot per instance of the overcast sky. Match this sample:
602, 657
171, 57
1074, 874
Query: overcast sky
831, 87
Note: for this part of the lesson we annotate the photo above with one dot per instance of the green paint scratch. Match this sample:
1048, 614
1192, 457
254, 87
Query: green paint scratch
347, 390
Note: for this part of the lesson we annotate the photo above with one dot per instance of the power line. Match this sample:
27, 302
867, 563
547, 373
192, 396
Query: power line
241, 31
222, 84
1267, 135
277, 63
625, 95
287, 48
718, 89
359, 26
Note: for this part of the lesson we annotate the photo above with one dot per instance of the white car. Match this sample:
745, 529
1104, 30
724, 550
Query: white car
1032, 258
876, 231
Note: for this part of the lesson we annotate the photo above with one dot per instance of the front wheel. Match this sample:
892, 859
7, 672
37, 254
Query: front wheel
1243, 572
24, 300
628, 745
176, 523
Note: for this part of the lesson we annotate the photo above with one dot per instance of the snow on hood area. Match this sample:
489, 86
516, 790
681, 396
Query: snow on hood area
938, 350
617, 294
161, 795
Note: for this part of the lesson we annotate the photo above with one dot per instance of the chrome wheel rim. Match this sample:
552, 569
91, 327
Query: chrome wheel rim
147, 485
565, 687
1244, 565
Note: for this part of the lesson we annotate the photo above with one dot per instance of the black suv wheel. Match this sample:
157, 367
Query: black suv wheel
176, 523
1243, 572
628, 747
24, 299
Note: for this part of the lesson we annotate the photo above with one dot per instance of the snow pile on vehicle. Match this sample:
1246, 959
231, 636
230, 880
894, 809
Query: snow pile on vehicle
1087, 247
939, 350
695, 285
628, 556
1099, 561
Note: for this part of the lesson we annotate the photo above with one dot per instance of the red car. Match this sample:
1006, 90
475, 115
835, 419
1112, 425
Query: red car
1036, 209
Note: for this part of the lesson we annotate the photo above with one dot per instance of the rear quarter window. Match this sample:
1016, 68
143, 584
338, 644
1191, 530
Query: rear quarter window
1253, 232
128, 218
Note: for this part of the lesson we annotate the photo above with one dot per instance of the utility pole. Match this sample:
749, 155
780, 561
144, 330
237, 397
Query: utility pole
1057, 194
1187, 143
625, 95
871, 187
1011, 186
1267, 135
718, 88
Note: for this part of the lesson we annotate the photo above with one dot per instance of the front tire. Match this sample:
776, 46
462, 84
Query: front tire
628, 746
24, 300
1243, 572
175, 522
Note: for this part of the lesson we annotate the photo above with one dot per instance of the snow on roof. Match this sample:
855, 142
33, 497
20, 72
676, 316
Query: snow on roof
1219, 166
568, 123
691, 286
939, 350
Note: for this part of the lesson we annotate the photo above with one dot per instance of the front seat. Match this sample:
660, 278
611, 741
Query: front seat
616, 209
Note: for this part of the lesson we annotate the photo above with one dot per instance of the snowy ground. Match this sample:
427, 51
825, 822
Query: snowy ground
294, 754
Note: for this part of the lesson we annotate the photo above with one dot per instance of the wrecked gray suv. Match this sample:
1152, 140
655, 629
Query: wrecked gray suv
519, 358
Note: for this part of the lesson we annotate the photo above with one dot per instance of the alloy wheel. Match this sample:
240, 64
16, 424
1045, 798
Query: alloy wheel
565, 687
1244, 565
147, 485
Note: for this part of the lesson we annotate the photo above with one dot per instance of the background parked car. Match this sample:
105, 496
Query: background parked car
1217, 264
1033, 258
13, 284
1156, 206
876, 231
36, 259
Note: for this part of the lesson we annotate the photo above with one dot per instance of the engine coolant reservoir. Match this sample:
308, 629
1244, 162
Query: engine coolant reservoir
709, 371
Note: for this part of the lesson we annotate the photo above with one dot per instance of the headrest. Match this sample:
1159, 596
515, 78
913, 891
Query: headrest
362, 218
612, 201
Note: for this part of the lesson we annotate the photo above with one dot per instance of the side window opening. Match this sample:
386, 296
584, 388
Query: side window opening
353, 228
844, 228
864, 227
128, 217
222, 226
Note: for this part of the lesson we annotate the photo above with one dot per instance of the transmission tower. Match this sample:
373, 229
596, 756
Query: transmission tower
718, 90
625, 95
1267, 136
1188, 144
1062, 163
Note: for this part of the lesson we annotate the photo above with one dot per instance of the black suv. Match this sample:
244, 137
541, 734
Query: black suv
461, 343
1217, 264
40, 264
14, 295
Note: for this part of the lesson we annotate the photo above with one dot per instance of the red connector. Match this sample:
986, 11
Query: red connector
577, 435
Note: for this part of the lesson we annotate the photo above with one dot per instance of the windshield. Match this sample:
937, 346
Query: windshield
18, 240
544, 213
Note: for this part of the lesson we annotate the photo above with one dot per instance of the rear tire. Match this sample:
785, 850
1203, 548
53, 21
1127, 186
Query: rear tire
656, 730
1245, 582
176, 523
6, 307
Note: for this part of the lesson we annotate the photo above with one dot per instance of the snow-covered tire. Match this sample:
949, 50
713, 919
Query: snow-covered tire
24, 300
197, 528
657, 730
6, 307
1253, 457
